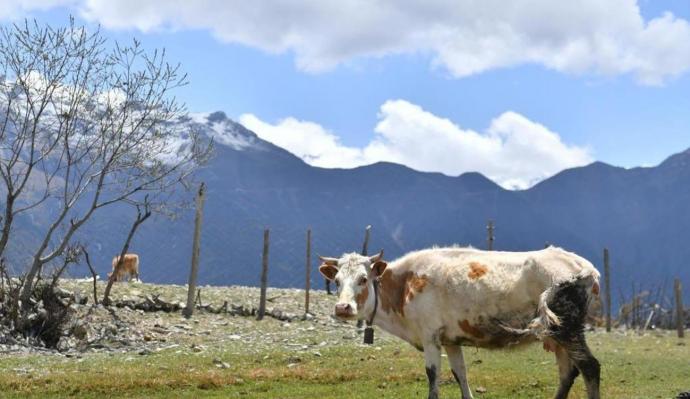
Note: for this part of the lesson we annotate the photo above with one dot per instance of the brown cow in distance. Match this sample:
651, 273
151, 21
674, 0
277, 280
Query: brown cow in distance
129, 268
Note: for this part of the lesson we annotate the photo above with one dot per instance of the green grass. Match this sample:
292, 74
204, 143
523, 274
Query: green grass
652, 366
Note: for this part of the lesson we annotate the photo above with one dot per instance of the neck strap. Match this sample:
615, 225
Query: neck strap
370, 322
369, 331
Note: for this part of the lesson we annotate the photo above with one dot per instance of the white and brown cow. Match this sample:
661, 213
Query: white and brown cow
450, 297
129, 268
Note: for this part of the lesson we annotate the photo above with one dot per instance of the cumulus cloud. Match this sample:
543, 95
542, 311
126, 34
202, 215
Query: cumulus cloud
18, 8
308, 140
463, 37
513, 151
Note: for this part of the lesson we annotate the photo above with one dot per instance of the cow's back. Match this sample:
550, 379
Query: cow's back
464, 291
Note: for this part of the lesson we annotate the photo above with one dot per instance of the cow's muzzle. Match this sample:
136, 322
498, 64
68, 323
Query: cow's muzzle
344, 311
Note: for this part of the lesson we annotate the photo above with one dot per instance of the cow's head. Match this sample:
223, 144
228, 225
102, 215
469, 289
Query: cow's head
354, 275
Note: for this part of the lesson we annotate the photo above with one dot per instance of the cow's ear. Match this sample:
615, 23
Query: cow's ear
329, 271
379, 267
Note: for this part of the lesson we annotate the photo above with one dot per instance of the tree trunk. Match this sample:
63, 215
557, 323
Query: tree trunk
7, 222
93, 275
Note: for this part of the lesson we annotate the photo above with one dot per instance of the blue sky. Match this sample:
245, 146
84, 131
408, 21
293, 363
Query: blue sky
346, 98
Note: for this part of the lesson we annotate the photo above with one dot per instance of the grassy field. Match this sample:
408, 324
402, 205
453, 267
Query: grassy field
651, 366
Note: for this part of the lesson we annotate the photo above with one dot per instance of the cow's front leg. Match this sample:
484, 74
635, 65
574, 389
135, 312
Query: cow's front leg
432, 357
457, 364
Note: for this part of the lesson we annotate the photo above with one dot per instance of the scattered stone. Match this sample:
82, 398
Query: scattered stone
79, 330
221, 364
293, 360
23, 370
197, 348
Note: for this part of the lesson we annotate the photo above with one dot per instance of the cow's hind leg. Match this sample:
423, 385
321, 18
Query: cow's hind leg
457, 365
432, 358
569, 302
566, 371
589, 366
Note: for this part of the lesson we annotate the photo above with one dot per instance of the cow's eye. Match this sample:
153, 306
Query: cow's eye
362, 280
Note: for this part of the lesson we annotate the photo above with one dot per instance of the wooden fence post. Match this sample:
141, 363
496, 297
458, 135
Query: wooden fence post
264, 277
365, 245
680, 319
633, 308
307, 282
607, 289
490, 238
191, 286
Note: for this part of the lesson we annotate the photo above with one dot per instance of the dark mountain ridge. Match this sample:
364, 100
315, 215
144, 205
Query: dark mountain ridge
641, 214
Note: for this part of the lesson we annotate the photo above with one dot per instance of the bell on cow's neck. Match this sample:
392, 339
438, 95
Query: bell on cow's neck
369, 335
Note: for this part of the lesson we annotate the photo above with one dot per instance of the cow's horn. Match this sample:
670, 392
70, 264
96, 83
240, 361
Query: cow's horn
329, 261
376, 257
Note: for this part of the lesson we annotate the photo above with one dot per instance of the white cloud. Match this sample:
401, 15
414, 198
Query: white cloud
514, 151
308, 140
463, 37
19, 8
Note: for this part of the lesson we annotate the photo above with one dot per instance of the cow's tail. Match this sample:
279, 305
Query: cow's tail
565, 303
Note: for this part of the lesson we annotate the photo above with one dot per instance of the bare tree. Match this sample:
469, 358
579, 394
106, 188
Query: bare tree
87, 258
85, 125
71, 255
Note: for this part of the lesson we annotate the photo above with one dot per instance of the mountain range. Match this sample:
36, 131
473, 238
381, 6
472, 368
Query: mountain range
642, 215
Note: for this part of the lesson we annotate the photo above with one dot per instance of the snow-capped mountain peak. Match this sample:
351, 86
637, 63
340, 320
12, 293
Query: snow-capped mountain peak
223, 130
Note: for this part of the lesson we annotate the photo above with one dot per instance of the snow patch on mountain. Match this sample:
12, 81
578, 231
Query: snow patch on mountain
214, 126
222, 130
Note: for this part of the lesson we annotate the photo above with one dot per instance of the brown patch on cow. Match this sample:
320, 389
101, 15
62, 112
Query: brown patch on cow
476, 270
392, 291
414, 285
361, 298
595, 289
470, 329
399, 289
